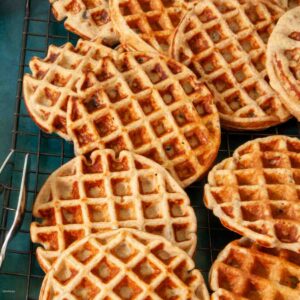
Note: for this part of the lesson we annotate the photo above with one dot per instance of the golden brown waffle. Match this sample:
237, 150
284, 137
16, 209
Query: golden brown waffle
283, 60
109, 192
61, 74
224, 43
124, 264
153, 106
256, 192
245, 270
287, 4
146, 25
89, 19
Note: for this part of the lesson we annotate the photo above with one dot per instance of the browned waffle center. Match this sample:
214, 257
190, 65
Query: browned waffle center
106, 193
225, 44
151, 105
125, 264
154, 22
244, 269
256, 192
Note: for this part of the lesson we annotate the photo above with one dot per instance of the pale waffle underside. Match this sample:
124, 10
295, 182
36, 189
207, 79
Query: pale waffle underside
89, 19
147, 25
256, 192
244, 270
109, 192
124, 264
63, 73
153, 106
224, 43
283, 60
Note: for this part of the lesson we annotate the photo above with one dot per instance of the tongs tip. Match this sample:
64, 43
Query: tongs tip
20, 206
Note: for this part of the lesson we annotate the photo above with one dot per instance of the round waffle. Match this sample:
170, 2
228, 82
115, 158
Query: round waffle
124, 264
224, 43
283, 60
153, 106
86, 18
256, 192
245, 270
54, 79
109, 192
146, 25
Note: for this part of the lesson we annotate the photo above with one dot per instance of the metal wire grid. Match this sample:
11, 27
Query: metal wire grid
20, 276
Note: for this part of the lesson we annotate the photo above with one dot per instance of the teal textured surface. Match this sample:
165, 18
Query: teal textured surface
20, 275
11, 23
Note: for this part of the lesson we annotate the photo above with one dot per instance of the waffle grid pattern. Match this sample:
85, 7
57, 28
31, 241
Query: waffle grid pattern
225, 44
256, 192
107, 193
244, 270
89, 19
154, 269
150, 105
48, 152
144, 25
57, 77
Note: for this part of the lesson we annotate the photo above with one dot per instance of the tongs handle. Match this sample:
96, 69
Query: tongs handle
20, 207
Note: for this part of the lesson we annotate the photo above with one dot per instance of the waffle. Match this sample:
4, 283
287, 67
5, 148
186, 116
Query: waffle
87, 18
287, 4
146, 25
224, 43
153, 106
256, 192
283, 60
61, 74
124, 264
245, 270
109, 192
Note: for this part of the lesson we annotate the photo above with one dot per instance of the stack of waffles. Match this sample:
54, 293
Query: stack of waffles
256, 194
142, 96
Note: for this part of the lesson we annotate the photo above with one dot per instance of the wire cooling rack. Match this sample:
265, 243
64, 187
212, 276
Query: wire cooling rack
20, 276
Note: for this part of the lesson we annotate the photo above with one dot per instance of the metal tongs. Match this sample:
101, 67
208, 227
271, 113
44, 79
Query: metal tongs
19, 211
